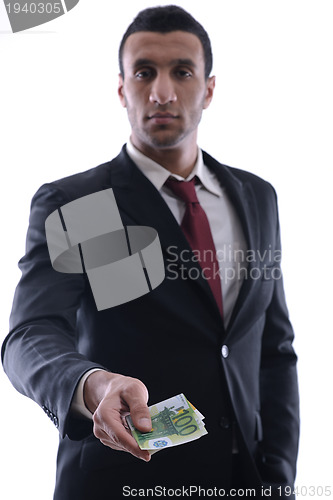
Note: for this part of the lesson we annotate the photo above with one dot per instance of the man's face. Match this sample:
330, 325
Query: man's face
164, 88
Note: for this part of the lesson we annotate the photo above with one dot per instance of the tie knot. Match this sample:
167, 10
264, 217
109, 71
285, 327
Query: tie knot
185, 190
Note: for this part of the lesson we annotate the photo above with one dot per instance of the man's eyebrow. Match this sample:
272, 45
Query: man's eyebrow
184, 62
174, 62
142, 62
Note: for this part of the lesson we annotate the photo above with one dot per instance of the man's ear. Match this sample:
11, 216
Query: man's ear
210, 86
121, 91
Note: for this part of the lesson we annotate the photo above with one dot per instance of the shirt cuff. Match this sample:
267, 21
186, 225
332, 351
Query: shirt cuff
78, 406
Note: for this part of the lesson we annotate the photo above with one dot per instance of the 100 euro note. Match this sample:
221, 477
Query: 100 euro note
175, 421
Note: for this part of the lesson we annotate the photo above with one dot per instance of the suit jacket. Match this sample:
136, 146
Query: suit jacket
242, 378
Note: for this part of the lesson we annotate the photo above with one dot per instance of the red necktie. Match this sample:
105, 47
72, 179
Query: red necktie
196, 228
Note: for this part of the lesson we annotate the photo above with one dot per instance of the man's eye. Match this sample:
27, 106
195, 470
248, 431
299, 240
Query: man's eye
183, 73
141, 75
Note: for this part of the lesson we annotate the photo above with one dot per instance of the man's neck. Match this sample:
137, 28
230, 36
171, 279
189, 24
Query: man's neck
178, 160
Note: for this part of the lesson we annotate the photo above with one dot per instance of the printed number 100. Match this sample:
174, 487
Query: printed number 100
183, 422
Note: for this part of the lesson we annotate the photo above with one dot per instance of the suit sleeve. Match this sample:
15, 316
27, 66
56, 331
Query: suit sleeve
40, 354
278, 389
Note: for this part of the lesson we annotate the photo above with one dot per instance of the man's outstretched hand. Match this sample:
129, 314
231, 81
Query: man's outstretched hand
110, 397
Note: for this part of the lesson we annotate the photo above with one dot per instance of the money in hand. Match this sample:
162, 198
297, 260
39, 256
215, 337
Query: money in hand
175, 421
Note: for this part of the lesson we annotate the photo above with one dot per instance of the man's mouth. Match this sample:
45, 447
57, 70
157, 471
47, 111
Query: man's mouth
162, 118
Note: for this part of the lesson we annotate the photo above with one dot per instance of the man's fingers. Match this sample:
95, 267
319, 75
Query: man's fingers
117, 437
122, 395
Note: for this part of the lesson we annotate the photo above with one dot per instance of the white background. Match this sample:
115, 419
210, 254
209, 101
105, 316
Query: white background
272, 114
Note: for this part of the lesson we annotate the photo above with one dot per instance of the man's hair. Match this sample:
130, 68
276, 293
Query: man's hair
165, 20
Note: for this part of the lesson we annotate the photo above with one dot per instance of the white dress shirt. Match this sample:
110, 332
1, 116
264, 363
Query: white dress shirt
225, 226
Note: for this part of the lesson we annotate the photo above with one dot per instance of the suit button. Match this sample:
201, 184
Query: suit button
225, 351
224, 423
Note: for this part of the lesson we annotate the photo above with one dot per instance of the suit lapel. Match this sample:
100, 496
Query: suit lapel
141, 203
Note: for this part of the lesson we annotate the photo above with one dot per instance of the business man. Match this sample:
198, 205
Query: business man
216, 328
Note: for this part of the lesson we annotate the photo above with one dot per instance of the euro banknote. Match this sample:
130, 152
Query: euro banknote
175, 421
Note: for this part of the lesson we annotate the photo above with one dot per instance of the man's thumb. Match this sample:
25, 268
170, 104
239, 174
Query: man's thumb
137, 399
141, 418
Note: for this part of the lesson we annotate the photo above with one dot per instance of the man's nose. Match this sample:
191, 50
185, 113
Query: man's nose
162, 90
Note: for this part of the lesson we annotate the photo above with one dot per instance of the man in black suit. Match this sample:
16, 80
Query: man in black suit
233, 360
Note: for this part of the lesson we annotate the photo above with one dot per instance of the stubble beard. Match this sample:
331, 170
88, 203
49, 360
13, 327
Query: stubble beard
165, 140
161, 136
173, 138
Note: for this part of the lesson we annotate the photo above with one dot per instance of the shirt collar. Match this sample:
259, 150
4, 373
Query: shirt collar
158, 174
